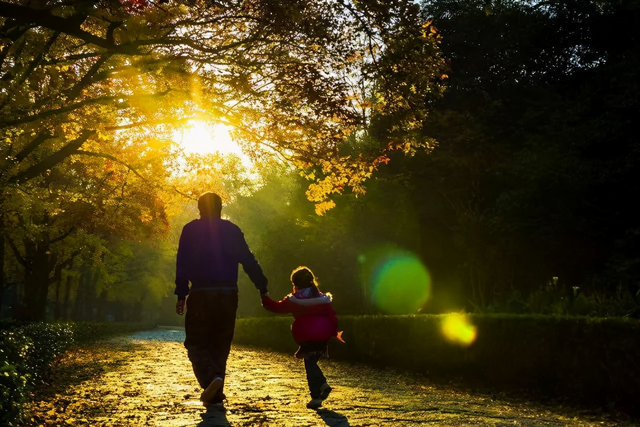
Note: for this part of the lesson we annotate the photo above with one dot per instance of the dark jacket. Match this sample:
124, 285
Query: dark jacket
209, 251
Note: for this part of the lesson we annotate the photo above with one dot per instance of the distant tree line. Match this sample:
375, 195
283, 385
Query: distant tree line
524, 201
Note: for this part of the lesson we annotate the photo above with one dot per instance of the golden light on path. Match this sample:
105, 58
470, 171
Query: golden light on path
197, 137
457, 328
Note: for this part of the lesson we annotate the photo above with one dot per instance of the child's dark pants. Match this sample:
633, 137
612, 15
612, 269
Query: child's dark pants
315, 378
209, 325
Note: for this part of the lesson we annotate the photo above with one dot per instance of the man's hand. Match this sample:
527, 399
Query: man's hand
264, 293
180, 307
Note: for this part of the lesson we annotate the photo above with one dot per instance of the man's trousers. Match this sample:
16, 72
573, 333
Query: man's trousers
209, 326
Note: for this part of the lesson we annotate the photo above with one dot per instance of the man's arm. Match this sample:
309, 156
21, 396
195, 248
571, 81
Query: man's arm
240, 250
182, 268
253, 270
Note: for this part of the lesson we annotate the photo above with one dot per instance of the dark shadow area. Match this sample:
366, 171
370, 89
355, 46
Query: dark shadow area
333, 419
524, 397
214, 418
80, 365
484, 389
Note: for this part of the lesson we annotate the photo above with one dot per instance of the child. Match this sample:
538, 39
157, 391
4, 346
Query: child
314, 324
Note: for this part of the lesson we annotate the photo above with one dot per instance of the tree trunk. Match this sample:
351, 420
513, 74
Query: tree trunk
40, 263
36, 288
67, 295
81, 310
92, 297
2, 276
58, 306
75, 314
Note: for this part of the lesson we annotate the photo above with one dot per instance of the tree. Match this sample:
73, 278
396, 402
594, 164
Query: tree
279, 72
533, 162
112, 80
527, 170
56, 218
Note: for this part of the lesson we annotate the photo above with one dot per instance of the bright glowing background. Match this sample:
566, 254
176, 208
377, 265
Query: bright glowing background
197, 137
398, 281
457, 328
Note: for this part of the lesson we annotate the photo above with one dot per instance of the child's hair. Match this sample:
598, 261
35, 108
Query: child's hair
302, 278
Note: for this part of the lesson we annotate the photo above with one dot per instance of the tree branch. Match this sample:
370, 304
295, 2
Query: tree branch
16, 251
35, 143
71, 26
86, 80
365, 28
77, 105
150, 123
65, 109
53, 159
10, 33
131, 168
57, 274
63, 235
72, 58
112, 27
37, 60
110, 157
20, 44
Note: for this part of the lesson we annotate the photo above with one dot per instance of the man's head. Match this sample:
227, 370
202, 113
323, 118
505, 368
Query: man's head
210, 205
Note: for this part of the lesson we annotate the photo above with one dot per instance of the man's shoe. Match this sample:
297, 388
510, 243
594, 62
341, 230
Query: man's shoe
314, 403
325, 389
209, 394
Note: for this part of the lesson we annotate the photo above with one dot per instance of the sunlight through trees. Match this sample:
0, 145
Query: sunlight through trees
493, 140
93, 94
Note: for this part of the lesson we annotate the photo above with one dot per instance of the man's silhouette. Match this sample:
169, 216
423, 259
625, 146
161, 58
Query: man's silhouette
209, 252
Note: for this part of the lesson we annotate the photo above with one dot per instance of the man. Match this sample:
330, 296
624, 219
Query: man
209, 252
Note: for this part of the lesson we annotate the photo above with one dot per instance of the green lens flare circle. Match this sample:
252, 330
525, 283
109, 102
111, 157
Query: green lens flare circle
400, 285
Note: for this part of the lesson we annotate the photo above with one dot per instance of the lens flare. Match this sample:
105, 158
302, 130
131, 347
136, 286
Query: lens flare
398, 281
457, 328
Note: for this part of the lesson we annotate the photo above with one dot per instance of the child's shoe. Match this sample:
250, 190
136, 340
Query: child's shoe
314, 403
325, 389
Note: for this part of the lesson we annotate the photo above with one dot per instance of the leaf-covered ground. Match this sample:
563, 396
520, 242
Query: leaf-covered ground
146, 379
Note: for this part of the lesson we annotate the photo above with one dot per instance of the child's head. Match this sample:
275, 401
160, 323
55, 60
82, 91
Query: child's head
302, 278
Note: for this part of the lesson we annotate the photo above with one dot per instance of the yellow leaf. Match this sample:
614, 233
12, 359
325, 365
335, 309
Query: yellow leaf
323, 207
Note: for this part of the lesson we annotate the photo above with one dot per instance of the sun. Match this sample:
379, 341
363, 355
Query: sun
198, 137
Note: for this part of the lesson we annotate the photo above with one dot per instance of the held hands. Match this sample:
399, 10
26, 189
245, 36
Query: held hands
180, 307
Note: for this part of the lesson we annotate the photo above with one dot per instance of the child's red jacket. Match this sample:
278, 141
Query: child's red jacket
314, 317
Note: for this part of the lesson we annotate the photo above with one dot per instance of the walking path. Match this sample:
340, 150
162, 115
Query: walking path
146, 380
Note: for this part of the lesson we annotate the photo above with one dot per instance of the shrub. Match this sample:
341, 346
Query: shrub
13, 394
27, 352
46, 342
583, 359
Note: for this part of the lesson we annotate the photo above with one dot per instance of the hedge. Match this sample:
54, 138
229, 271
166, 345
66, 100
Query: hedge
28, 350
585, 360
